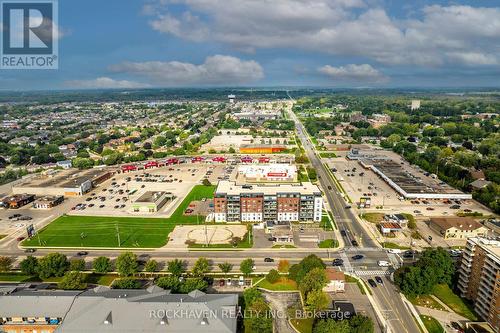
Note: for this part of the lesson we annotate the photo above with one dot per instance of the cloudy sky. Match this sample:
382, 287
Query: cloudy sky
328, 43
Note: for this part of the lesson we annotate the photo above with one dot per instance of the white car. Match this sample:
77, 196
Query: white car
394, 251
383, 263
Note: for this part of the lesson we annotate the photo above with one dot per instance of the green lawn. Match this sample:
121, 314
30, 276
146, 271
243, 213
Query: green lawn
99, 231
283, 284
284, 246
390, 245
303, 325
94, 278
328, 243
16, 277
427, 301
457, 304
432, 325
373, 217
327, 155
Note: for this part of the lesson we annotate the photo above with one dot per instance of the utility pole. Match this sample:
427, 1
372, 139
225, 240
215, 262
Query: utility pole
118, 234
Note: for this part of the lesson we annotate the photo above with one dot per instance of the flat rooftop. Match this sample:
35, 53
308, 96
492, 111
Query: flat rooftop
409, 180
152, 196
231, 188
63, 178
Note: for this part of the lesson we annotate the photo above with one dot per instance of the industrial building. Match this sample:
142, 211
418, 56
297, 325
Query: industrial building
150, 201
267, 172
69, 183
103, 309
479, 278
279, 202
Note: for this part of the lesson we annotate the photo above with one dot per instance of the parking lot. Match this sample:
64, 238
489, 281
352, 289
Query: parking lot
116, 196
359, 182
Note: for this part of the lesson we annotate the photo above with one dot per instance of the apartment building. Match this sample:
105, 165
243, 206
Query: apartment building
258, 203
479, 278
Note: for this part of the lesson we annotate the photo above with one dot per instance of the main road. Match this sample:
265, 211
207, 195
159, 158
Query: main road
393, 309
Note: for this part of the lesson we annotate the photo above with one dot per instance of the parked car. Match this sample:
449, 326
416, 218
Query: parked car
30, 250
372, 283
82, 253
379, 279
268, 259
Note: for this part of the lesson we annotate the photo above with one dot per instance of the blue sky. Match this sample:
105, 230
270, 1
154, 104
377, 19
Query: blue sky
328, 43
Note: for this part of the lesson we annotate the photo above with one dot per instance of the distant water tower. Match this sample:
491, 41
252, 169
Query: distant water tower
231, 98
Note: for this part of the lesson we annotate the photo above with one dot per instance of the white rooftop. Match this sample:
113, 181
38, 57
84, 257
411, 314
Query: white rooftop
230, 188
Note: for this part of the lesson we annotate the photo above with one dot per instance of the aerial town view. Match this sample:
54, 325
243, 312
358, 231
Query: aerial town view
296, 166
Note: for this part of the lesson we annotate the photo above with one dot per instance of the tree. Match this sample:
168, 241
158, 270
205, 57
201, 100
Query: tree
171, 283
5, 263
201, 266
250, 295
332, 326
126, 283
206, 182
283, 266
225, 267
126, 264
73, 280
316, 300
77, 265
273, 276
247, 266
175, 267
53, 264
193, 284
101, 265
261, 321
361, 324
151, 266
29, 265
314, 280
299, 271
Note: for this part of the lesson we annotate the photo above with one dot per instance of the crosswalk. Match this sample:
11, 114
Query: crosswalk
372, 273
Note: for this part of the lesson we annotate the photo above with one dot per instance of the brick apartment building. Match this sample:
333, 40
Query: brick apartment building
278, 202
479, 278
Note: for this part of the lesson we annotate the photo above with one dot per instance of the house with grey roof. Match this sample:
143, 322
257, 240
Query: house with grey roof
116, 310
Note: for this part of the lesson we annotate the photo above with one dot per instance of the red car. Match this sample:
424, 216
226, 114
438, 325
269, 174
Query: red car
20, 238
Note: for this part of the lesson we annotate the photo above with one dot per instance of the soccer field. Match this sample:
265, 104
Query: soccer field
97, 231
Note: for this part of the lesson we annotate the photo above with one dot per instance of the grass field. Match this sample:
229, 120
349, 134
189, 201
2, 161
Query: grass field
327, 155
328, 243
446, 295
97, 231
303, 325
432, 325
428, 302
283, 284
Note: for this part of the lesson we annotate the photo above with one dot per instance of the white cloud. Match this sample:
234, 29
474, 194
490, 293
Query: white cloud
353, 72
216, 70
104, 83
443, 35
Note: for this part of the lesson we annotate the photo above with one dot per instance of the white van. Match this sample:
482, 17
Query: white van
383, 263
